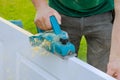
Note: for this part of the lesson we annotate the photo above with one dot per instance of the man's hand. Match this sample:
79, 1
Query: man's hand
43, 13
114, 69
42, 19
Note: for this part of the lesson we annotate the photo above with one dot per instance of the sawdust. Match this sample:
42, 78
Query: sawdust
39, 51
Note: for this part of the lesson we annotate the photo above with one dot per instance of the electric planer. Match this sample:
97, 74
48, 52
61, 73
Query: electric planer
55, 41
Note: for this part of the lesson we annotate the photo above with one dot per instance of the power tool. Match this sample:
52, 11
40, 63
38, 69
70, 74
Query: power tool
55, 41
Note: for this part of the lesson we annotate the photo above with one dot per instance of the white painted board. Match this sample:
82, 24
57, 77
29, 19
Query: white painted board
18, 61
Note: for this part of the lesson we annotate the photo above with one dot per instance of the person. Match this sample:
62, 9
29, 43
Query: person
91, 18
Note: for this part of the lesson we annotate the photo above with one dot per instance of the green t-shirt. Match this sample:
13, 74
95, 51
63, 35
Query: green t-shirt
81, 8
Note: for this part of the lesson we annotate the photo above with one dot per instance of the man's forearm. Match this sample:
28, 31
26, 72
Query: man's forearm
40, 4
115, 46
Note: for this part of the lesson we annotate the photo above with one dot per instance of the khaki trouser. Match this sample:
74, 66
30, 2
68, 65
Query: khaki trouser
97, 31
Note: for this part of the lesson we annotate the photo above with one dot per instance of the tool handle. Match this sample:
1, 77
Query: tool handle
55, 26
40, 30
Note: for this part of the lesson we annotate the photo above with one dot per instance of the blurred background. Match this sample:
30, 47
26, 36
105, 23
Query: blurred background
24, 10
19, 10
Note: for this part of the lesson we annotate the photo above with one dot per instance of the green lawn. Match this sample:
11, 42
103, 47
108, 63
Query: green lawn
19, 10
24, 10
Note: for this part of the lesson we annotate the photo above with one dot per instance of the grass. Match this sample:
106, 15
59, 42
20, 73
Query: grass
24, 10
82, 50
19, 10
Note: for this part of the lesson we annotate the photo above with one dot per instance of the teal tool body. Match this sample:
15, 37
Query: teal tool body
55, 41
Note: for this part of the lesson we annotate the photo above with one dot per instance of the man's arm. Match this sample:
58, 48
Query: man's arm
40, 4
43, 12
114, 59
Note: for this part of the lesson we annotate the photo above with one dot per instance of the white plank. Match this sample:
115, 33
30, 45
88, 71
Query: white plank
20, 62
